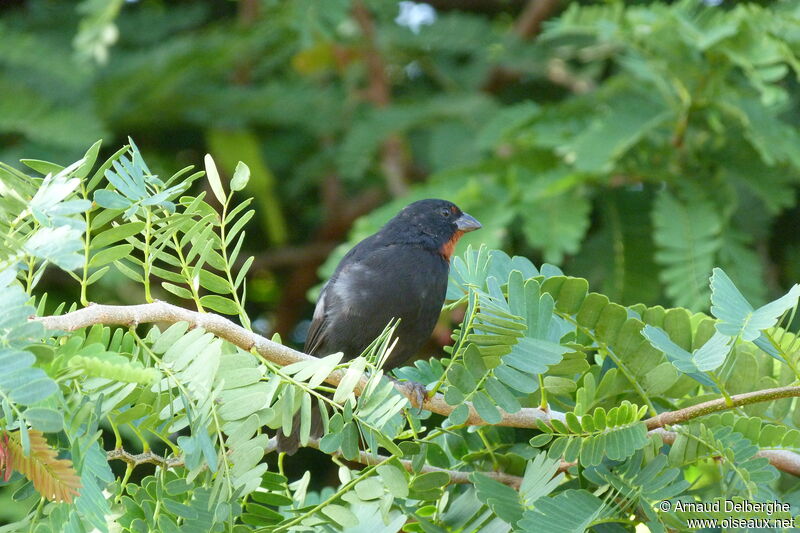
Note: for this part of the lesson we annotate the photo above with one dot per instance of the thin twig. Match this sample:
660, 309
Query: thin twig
671, 418
783, 460
456, 476
364, 458
136, 459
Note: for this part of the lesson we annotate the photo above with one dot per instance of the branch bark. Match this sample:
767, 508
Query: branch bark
136, 459
671, 418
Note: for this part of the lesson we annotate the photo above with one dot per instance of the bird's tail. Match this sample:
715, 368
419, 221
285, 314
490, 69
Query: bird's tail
289, 444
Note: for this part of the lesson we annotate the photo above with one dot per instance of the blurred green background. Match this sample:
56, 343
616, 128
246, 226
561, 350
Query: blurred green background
637, 144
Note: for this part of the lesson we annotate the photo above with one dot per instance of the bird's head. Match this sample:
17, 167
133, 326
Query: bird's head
434, 224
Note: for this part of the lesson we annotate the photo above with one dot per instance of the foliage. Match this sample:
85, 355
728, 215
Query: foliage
531, 337
634, 146
637, 145
654, 136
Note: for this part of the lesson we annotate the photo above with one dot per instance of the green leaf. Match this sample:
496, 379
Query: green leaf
314, 371
340, 515
459, 415
213, 179
516, 380
487, 411
42, 167
110, 199
180, 292
501, 499
430, 480
711, 355
355, 371
241, 402
680, 358
128, 272
616, 130
34, 391
540, 478
44, 419
109, 255
737, 317
219, 304
97, 274
541, 440
240, 177
89, 159
115, 234
461, 378
214, 283
557, 225
237, 226
573, 423
687, 235
305, 419
245, 268
169, 337
584, 509
179, 509
502, 396
350, 441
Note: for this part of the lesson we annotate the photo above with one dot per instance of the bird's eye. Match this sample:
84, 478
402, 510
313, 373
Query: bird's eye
445, 212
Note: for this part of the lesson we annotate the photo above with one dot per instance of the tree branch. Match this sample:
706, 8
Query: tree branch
713, 406
132, 315
456, 476
223, 328
529, 23
783, 460
364, 458
136, 459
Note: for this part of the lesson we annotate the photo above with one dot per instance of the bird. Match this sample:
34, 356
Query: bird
398, 273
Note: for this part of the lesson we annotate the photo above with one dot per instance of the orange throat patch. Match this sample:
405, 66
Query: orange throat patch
447, 248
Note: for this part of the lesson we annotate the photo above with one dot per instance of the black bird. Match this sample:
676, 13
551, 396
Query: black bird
400, 272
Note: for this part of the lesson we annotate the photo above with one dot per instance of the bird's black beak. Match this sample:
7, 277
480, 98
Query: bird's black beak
467, 223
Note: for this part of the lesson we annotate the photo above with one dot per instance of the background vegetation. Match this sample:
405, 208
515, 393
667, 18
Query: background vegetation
636, 145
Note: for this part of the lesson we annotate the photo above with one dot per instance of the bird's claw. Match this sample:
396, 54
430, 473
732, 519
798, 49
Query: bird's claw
415, 390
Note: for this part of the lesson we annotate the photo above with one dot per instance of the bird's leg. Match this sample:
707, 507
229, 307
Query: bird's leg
413, 389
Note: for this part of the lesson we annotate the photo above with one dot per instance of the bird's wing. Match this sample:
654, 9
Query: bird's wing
328, 300
319, 323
